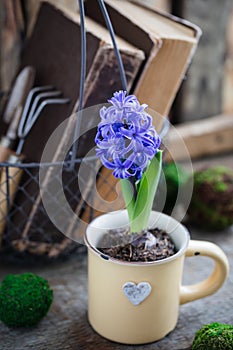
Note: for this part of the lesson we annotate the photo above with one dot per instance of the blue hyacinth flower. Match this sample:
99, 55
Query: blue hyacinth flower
128, 144
126, 140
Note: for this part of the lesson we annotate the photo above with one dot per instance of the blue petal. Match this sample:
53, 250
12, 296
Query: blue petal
126, 140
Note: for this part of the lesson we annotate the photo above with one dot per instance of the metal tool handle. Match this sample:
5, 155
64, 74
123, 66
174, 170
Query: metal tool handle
4, 150
20, 90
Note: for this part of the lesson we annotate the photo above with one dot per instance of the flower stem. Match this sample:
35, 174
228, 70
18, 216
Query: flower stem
139, 207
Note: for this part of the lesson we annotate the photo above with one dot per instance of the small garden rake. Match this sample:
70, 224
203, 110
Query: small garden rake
38, 98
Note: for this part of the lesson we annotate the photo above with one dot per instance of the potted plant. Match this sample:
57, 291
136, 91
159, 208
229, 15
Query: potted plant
135, 256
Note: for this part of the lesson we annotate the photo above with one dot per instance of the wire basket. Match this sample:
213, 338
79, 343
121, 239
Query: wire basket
25, 227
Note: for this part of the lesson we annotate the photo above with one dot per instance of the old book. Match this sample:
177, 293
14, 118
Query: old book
168, 42
164, 5
54, 50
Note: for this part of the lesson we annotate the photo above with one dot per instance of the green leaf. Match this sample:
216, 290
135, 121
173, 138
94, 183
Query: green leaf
146, 193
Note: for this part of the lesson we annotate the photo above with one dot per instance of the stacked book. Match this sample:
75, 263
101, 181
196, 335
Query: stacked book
156, 50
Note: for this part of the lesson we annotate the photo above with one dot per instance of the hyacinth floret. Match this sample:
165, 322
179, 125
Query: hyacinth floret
126, 140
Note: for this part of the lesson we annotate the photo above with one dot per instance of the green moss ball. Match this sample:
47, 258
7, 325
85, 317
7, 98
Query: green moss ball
212, 200
214, 336
24, 299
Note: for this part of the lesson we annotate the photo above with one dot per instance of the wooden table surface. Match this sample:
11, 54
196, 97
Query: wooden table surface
66, 325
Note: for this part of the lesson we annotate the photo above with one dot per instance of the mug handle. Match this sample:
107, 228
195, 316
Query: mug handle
215, 280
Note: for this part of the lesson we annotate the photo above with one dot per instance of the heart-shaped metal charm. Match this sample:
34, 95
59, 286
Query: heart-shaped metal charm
136, 293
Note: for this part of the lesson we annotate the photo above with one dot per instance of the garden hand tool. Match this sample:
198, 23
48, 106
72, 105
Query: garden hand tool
19, 93
7, 141
11, 175
13, 110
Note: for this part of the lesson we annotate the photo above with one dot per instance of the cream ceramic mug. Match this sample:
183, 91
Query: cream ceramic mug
136, 303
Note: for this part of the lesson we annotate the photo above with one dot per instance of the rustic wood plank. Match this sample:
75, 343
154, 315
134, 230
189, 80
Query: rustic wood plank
202, 137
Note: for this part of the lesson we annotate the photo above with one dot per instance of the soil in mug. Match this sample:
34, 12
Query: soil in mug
151, 245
